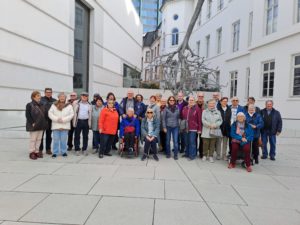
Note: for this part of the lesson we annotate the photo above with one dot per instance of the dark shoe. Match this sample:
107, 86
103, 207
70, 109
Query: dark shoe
39, 155
175, 157
54, 156
181, 151
155, 157
168, 156
33, 156
272, 158
184, 156
107, 154
65, 155
69, 148
48, 152
144, 157
264, 157
100, 156
114, 147
256, 160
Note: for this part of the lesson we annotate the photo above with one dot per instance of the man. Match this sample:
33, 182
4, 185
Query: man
217, 97
181, 104
251, 100
46, 102
129, 102
82, 122
73, 97
201, 104
272, 128
95, 98
162, 134
158, 98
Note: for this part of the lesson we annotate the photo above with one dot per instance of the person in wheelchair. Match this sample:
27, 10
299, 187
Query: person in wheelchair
129, 131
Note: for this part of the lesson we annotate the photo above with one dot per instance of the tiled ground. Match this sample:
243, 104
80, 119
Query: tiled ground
120, 191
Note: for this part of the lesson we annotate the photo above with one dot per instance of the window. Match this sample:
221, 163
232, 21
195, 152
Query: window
78, 50
152, 54
298, 11
247, 82
147, 57
175, 36
198, 47
219, 40
131, 77
220, 4
157, 53
78, 17
233, 84
296, 70
207, 46
147, 74
271, 16
209, 3
250, 28
268, 79
200, 18
175, 17
218, 80
236, 36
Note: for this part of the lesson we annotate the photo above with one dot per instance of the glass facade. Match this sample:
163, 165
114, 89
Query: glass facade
149, 13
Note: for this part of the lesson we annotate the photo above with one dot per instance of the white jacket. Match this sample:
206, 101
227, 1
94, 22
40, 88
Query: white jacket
66, 115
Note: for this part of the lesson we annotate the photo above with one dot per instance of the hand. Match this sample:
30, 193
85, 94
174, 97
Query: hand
135, 116
124, 115
148, 138
199, 132
60, 120
33, 124
244, 140
100, 131
152, 138
278, 133
253, 126
165, 130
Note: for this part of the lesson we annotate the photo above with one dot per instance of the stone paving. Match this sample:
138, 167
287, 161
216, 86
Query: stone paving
120, 191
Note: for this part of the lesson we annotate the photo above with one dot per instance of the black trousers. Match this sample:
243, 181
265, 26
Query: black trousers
163, 139
106, 140
181, 141
199, 142
82, 126
129, 139
48, 139
70, 136
255, 148
150, 145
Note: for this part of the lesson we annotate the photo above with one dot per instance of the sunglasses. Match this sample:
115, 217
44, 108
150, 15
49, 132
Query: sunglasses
171, 100
150, 112
200, 96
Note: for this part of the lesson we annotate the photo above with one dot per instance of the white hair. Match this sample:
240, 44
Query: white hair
130, 109
241, 114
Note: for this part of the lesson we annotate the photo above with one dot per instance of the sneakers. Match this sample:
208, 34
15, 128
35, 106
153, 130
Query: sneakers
54, 156
211, 159
65, 155
231, 166
204, 158
100, 155
272, 158
144, 157
77, 153
155, 157
33, 156
249, 169
69, 148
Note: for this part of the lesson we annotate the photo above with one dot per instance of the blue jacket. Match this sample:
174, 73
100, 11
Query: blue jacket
137, 111
133, 122
276, 121
256, 120
239, 108
144, 128
141, 109
248, 133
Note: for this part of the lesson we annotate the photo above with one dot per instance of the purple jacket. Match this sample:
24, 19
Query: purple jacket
181, 105
194, 118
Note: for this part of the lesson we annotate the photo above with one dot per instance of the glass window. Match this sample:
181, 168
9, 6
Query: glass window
236, 36
233, 84
147, 57
268, 79
219, 40
78, 50
200, 18
298, 11
296, 71
271, 16
247, 82
131, 77
175, 36
209, 3
207, 46
250, 28
78, 17
220, 4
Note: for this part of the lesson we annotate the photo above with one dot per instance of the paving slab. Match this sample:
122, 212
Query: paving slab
283, 170
14, 205
142, 172
267, 216
169, 212
10, 181
120, 211
202, 175
129, 188
59, 184
22, 223
29, 167
94, 159
163, 172
65, 209
181, 190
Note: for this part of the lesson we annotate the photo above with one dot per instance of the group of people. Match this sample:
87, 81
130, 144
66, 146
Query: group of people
194, 126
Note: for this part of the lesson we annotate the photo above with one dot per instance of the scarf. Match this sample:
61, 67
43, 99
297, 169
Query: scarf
162, 107
240, 128
172, 108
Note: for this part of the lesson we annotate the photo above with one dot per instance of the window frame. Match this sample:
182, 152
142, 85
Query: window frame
175, 37
293, 75
207, 50
219, 36
247, 88
209, 7
250, 28
233, 88
236, 36
274, 20
147, 56
220, 5
268, 72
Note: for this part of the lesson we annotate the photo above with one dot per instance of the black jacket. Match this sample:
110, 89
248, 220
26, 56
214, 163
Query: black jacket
276, 121
226, 117
35, 114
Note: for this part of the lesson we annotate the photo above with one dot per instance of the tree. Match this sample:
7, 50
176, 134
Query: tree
185, 65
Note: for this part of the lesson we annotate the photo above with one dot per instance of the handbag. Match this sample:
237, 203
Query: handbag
183, 125
217, 133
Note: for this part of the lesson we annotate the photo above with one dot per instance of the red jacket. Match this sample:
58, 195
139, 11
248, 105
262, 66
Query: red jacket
109, 119
194, 117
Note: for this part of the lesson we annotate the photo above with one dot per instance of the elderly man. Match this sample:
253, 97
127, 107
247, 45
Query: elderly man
202, 106
272, 128
217, 96
73, 97
129, 102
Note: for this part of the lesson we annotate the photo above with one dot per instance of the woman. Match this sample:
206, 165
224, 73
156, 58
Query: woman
108, 126
153, 105
192, 114
60, 113
36, 123
255, 120
96, 110
140, 106
150, 134
170, 123
211, 120
242, 135
225, 128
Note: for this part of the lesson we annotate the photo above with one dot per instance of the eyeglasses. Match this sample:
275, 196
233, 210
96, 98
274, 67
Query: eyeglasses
150, 112
200, 96
48, 92
72, 95
171, 100
235, 100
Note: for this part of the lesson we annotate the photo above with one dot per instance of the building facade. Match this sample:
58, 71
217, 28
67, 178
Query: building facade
89, 45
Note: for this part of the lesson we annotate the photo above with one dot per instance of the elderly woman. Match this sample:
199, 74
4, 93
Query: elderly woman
153, 105
96, 110
170, 123
211, 121
129, 130
108, 126
255, 120
61, 113
150, 134
242, 135
225, 128
36, 123
192, 115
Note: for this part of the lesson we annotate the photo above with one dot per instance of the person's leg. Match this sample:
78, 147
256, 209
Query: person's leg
154, 146
70, 136
205, 146
224, 147
147, 146
234, 151
41, 147
182, 142
230, 146
255, 150
193, 146
168, 139
63, 141
103, 144
175, 134
212, 146
111, 139
246, 150
264, 138
126, 141
56, 140
48, 139
85, 135
187, 144
272, 139
218, 147
32, 142
95, 144
77, 136
200, 146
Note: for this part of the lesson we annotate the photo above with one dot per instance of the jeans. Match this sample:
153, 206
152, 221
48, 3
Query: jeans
174, 132
234, 152
48, 140
60, 138
70, 136
255, 148
150, 145
82, 126
191, 146
96, 139
272, 139
106, 140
